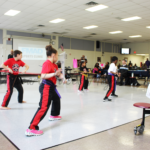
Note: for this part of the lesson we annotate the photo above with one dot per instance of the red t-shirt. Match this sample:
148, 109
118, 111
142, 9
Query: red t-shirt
49, 67
14, 65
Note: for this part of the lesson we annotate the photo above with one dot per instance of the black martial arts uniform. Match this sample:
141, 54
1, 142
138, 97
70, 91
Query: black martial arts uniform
83, 79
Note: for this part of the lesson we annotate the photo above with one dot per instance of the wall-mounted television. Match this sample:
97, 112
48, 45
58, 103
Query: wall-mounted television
125, 51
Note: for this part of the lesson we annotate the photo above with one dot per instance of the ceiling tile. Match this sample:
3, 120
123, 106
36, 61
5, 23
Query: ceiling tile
64, 1
53, 6
31, 9
8, 5
29, 2
16, 1
20, 7
42, 3
2, 2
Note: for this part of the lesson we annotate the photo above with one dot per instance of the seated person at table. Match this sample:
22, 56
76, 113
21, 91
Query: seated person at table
124, 72
135, 66
96, 70
106, 66
144, 67
130, 67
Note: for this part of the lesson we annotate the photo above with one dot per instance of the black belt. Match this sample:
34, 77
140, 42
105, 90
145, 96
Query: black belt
16, 76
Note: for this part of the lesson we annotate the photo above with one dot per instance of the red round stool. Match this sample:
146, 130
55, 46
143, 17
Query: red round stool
140, 128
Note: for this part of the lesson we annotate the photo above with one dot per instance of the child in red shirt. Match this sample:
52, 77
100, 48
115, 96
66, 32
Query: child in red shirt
12, 65
49, 93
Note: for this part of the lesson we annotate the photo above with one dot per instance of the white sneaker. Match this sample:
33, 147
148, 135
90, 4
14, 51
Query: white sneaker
86, 90
80, 92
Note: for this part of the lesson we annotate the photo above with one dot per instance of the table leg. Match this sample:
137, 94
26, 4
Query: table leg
143, 119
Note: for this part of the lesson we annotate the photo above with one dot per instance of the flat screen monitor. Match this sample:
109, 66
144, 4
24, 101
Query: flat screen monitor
125, 51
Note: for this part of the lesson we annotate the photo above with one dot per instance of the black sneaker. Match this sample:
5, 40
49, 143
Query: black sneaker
114, 95
106, 99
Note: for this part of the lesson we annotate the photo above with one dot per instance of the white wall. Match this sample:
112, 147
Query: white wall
77, 54
140, 48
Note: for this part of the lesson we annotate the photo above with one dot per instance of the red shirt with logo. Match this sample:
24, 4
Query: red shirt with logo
49, 67
14, 65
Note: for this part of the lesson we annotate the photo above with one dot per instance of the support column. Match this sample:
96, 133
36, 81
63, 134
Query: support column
4, 45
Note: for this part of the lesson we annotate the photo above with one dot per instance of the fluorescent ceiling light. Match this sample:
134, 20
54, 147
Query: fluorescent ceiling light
131, 18
115, 32
12, 12
90, 27
135, 36
141, 54
57, 20
96, 8
148, 27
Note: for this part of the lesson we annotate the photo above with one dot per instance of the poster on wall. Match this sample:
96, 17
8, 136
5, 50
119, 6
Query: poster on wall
98, 59
30, 53
31, 49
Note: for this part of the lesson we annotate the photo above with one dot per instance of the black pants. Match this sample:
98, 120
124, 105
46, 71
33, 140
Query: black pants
83, 83
13, 81
121, 79
48, 95
111, 82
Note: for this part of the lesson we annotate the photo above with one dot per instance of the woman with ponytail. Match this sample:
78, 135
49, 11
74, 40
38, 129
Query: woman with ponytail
48, 91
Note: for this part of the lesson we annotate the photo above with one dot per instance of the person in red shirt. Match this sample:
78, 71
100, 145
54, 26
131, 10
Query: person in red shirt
49, 93
13, 65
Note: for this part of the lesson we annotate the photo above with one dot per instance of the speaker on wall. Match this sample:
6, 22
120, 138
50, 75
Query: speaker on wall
98, 44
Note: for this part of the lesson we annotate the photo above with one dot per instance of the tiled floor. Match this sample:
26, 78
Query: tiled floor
119, 138
83, 115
